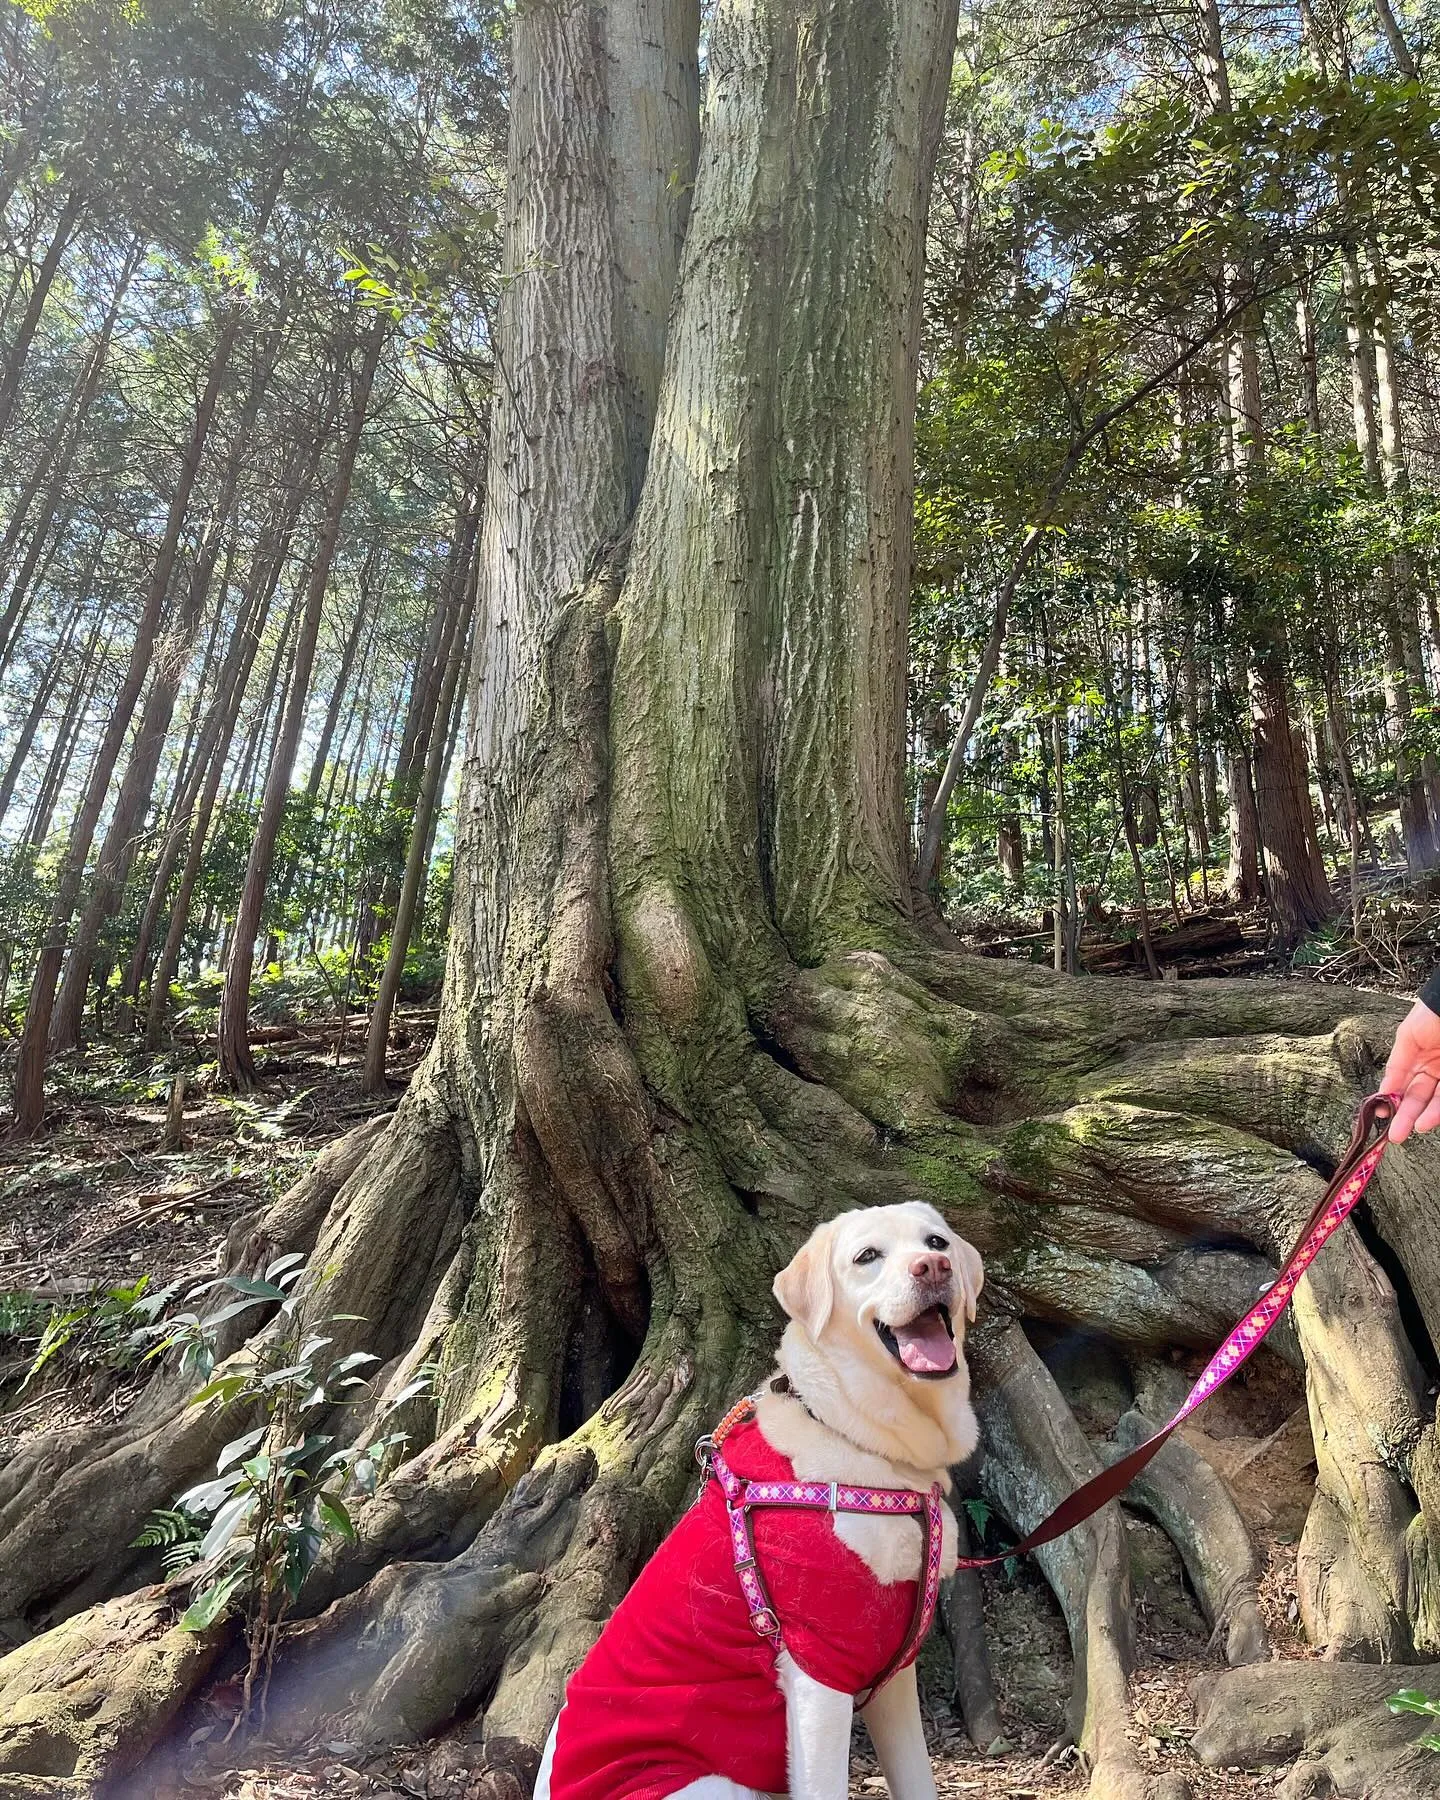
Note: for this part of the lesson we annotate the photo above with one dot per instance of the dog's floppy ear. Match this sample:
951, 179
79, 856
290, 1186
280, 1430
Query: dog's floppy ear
972, 1274
805, 1287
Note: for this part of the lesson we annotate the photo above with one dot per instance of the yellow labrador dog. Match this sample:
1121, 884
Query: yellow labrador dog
875, 1394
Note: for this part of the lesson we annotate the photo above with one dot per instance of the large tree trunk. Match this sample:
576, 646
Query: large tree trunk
687, 1011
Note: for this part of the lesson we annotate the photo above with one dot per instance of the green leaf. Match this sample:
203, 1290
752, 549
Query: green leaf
206, 1608
1411, 1700
207, 1495
305, 1541
333, 1512
421, 1385
252, 1284
231, 1516
238, 1448
223, 1388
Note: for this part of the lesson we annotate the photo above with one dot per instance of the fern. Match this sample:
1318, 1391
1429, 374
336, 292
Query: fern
175, 1534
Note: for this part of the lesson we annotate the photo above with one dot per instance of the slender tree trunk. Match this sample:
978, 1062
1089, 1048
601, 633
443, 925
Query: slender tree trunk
12, 369
28, 1106
77, 710
266, 710
137, 787
1132, 841
420, 716
1400, 574
40, 555
45, 688
356, 725
1309, 363
406, 907
1242, 875
1296, 882
197, 827
341, 690
457, 716
236, 1063
62, 448
117, 852
1061, 958
208, 766
182, 777
1399, 48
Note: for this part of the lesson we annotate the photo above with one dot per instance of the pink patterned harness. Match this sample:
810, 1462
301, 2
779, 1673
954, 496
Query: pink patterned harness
820, 1496
1351, 1178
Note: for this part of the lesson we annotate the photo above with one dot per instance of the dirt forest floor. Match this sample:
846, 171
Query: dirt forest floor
103, 1200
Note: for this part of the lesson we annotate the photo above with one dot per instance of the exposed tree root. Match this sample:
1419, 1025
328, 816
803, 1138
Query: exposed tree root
1089, 1214
962, 1616
1182, 1493
1331, 1718
1035, 1453
90, 1698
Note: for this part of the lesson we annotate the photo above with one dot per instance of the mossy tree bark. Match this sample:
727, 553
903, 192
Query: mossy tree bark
689, 1010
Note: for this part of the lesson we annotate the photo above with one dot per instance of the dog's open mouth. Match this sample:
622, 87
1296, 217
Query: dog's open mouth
926, 1346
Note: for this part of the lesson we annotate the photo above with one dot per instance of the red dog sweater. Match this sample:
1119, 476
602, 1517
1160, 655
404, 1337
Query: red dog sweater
679, 1686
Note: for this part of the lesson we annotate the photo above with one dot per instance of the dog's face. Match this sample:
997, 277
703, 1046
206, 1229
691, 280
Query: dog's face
893, 1283
878, 1301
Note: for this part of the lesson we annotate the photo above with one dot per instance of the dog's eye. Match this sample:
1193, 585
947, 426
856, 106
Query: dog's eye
868, 1255
935, 1242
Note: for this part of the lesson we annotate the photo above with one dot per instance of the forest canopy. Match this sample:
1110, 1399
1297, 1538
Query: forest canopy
253, 257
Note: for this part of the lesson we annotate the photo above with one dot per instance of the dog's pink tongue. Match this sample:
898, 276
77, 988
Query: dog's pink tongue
926, 1347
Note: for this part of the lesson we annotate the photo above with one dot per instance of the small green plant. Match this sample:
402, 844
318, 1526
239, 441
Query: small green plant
1320, 947
177, 1534
22, 1317
256, 1123
106, 1330
281, 1490
980, 1517
1411, 1700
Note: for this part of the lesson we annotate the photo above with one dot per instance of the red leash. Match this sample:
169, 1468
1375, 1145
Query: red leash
1351, 1178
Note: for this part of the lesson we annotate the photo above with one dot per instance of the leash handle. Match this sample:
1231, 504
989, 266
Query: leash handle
1351, 1178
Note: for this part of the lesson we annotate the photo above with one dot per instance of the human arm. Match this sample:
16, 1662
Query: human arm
1413, 1071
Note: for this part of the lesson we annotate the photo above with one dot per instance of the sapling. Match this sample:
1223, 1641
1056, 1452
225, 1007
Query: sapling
281, 1490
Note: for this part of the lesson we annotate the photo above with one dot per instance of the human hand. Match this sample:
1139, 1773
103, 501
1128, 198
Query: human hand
1413, 1072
